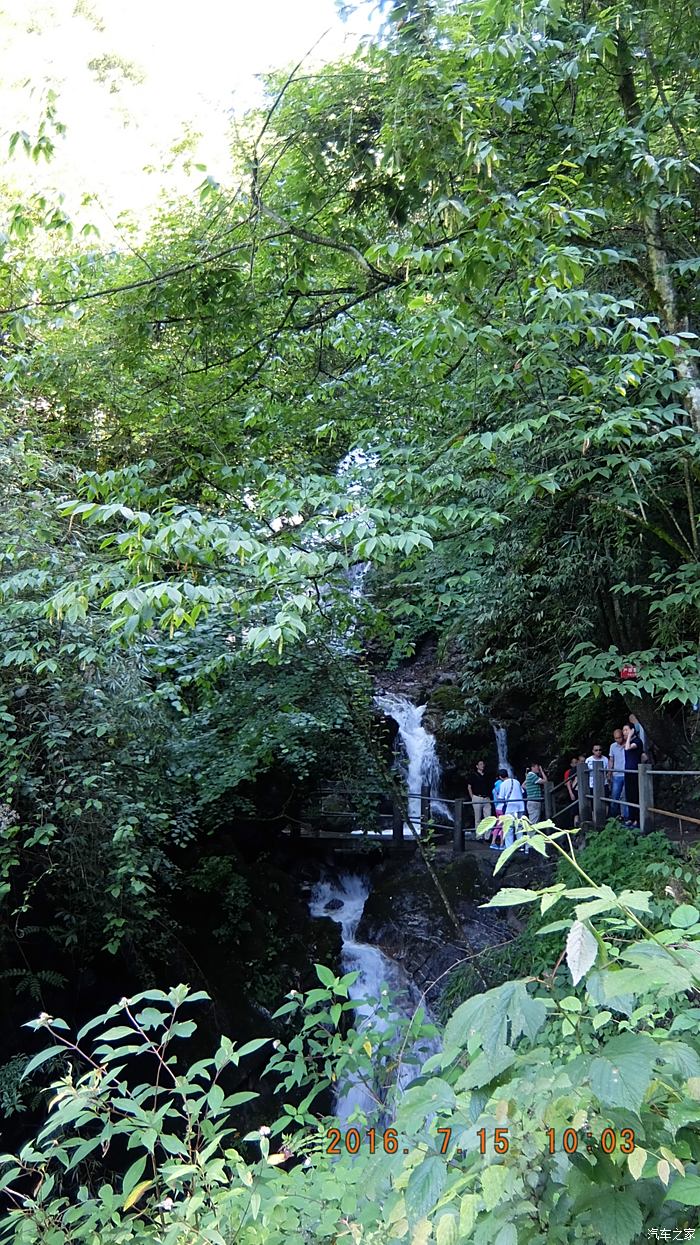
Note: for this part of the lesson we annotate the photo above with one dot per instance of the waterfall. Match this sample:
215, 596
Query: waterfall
423, 766
501, 733
351, 476
343, 901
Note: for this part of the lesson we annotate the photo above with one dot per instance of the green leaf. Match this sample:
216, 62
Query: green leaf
119, 1031
447, 1230
136, 1194
508, 1235
468, 1210
684, 916
133, 1174
683, 1059
495, 1184
151, 1018
8, 1176
509, 896
181, 1029
425, 1185
636, 1161
638, 901
464, 1023
526, 1014
485, 1068
616, 1216
594, 907
325, 976
250, 1047
43, 1057
686, 1190
621, 1074
660, 969
242, 1095
420, 1101
553, 927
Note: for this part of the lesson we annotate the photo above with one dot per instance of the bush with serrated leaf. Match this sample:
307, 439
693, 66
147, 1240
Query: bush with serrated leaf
557, 1109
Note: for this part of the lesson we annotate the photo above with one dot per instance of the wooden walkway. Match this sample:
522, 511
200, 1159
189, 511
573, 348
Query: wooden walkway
591, 807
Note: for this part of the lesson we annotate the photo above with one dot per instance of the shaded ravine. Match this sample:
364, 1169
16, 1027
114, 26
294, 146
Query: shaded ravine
342, 900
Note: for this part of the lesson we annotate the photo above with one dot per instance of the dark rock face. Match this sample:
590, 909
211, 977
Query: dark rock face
405, 917
332, 905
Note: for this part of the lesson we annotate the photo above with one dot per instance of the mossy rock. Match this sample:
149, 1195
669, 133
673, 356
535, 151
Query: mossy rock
446, 699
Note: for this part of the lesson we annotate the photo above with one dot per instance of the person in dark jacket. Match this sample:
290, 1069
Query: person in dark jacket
479, 788
634, 748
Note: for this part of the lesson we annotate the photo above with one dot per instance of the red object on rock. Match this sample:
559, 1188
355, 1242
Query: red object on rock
629, 672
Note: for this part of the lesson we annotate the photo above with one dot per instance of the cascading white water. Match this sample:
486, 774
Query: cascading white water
343, 901
423, 766
501, 733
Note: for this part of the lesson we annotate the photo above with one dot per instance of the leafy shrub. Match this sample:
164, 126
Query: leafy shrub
218, 879
615, 854
554, 1111
619, 856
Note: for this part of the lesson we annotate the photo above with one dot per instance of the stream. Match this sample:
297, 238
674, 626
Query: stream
342, 900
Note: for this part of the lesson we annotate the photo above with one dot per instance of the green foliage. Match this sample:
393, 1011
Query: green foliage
606, 1057
616, 854
12, 1097
216, 877
623, 858
439, 328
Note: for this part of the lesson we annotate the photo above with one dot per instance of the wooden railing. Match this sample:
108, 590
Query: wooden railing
592, 804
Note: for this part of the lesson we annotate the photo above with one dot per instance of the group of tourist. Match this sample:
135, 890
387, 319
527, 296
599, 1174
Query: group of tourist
620, 768
619, 765
508, 796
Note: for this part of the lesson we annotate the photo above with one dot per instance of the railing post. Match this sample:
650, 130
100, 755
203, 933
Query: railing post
458, 832
548, 800
583, 792
396, 822
598, 795
424, 807
646, 798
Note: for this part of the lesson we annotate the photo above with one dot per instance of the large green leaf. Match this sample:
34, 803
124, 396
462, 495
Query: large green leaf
622, 1072
485, 1068
509, 896
686, 1190
617, 1217
425, 1185
421, 1101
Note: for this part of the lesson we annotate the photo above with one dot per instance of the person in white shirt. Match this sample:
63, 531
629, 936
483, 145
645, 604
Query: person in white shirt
616, 771
596, 755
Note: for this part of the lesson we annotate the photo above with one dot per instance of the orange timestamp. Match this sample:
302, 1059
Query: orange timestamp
389, 1142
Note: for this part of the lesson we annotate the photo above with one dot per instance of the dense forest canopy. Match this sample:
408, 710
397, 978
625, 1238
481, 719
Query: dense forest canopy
423, 366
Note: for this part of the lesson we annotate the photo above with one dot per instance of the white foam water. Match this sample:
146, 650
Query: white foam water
343, 900
423, 766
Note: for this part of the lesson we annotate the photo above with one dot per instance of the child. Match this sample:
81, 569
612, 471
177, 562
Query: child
497, 842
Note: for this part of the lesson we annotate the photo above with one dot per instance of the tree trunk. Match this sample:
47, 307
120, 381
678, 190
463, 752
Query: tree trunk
661, 275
